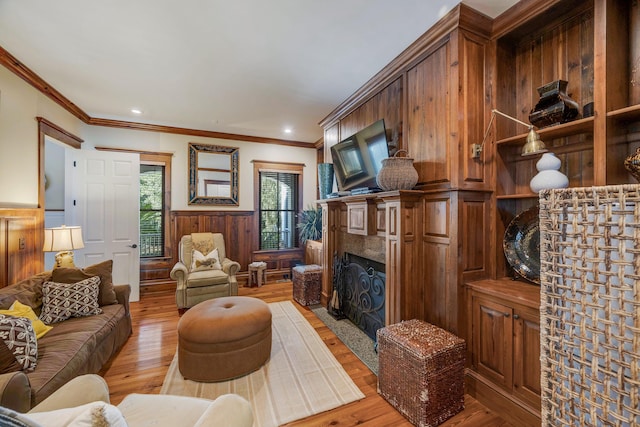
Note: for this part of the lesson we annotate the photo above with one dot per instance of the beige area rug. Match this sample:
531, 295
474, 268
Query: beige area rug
301, 378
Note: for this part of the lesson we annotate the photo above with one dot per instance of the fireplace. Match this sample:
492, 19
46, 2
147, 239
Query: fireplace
361, 291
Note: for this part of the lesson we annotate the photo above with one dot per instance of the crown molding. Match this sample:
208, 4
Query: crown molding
11, 63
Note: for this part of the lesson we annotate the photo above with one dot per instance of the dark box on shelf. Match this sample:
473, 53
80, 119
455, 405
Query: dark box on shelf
421, 371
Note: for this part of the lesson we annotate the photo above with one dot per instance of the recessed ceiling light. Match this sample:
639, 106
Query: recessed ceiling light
136, 111
288, 130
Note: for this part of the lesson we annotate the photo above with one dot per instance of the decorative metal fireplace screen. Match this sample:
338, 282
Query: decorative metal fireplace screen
361, 284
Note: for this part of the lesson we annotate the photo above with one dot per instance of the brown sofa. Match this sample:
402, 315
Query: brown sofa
79, 345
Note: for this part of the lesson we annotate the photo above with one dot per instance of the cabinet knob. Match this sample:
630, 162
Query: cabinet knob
507, 314
515, 316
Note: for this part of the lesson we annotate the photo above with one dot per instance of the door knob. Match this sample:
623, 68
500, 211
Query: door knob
133, 246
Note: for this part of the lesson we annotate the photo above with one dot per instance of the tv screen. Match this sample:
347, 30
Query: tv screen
358, 159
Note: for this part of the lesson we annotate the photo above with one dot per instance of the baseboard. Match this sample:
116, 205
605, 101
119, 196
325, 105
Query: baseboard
501, 402
151, 286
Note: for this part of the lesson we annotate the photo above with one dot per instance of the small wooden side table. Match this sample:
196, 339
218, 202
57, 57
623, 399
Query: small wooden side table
257, 273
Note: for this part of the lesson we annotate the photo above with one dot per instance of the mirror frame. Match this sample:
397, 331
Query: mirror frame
194, 198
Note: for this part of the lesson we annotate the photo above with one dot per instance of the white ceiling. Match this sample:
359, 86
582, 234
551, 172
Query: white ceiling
249, 67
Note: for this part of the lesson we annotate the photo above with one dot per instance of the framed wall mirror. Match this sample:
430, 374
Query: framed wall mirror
213, 175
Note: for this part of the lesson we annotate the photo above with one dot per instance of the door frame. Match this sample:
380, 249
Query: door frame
50, 129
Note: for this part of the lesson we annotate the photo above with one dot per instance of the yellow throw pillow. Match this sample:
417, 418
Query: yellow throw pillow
18, 309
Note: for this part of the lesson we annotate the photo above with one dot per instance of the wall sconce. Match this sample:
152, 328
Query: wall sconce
63, 240
534, 144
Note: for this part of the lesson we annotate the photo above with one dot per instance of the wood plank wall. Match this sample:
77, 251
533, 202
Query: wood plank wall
21, 233
241, 244
20, 244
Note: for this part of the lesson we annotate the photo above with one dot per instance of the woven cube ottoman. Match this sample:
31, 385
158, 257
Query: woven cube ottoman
421, 371
307, 284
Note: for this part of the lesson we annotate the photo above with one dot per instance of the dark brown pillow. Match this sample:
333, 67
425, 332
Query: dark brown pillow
107, 295
27, 291
8, 362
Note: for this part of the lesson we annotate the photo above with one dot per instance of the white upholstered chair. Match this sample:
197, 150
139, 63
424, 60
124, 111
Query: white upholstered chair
198, 274
76, 402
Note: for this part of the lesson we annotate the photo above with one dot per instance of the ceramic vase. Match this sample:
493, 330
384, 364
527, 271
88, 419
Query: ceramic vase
549, 175
325, 179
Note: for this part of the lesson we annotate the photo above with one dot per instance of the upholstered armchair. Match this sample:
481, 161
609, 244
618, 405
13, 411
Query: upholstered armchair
203, 271
85, 401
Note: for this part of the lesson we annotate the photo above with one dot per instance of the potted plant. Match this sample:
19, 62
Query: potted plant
310, 224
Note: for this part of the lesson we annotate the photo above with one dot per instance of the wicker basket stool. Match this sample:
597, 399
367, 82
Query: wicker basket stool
307, 284
421, 371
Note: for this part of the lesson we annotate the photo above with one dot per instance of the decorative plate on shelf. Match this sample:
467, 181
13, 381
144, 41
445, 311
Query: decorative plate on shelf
522, 244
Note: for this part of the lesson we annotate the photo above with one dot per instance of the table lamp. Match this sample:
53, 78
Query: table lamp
63, 240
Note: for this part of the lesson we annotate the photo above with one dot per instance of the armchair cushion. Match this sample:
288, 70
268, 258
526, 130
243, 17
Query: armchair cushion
198, 279
90, 414
204, 243
207, 262
137, 409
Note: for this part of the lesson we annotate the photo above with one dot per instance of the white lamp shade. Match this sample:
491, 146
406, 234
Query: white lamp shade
62, 239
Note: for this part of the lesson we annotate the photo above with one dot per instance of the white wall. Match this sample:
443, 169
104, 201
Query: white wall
96, 136
54, 174
20, 104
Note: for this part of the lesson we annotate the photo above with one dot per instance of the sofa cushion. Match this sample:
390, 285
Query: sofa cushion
72, 348
19, 337
8, 362
60, 301
18, 309
28, 292
103, 269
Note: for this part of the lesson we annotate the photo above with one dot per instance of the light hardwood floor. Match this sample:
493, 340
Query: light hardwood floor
141, 365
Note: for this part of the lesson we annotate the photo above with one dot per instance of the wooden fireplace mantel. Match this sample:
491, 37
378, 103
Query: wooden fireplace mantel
393, 216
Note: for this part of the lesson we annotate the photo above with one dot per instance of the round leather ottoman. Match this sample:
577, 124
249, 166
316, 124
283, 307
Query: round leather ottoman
224, 338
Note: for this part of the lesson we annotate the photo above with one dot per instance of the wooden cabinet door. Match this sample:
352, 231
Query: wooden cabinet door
526, 347
493, 340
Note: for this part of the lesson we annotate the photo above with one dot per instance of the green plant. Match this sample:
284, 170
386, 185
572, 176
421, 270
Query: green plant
310, 224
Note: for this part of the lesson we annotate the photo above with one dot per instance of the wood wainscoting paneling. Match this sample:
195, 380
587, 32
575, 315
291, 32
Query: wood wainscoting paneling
236, 226
240, 244
21, 234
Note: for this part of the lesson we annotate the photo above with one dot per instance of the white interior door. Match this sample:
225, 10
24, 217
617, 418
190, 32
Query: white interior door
103, 197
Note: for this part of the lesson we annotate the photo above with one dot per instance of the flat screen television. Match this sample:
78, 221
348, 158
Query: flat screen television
358, 159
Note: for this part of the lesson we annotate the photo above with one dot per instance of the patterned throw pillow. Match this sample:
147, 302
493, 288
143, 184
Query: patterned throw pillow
103, 269
60, 301
18, 309
19, 337
201, 262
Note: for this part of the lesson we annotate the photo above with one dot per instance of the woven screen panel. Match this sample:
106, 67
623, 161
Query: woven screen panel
590, 306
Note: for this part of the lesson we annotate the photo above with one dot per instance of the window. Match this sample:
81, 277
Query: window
152, 217
278, 201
